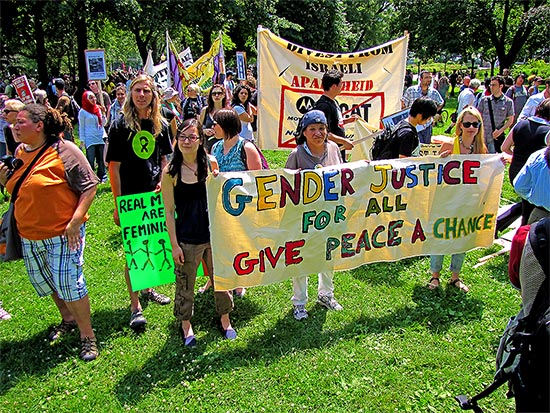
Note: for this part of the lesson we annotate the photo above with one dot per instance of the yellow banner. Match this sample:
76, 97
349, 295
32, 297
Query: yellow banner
268, 226
290, 83
203, 68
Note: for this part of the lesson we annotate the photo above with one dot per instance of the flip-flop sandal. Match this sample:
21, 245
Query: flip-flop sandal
458, 283
431, 285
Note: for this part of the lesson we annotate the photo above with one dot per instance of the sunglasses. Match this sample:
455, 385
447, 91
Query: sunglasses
217, 93
6, 111
190, 138
470, 124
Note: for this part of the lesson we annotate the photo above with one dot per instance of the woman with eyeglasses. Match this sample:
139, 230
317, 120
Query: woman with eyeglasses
9, 114
468, 140
216, 101
184, 194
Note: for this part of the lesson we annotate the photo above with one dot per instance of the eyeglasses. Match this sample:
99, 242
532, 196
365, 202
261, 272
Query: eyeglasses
190, 138
470, 124
6, 111
217, 93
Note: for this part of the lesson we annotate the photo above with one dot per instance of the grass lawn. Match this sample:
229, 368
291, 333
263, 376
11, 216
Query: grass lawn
396, 347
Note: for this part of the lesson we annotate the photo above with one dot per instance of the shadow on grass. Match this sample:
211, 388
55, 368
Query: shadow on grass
174, 364
385, 273
36, 356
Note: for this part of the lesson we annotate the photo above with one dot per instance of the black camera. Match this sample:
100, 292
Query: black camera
12, 163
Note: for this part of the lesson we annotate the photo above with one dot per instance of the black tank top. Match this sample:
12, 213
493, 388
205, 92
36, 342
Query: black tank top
191, 213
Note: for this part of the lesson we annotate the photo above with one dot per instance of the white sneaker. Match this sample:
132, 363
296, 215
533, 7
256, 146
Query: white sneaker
329, 302
300, 312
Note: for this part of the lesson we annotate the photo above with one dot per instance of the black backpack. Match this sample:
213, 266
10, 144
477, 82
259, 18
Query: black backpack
386, 144
523, 355
72, 111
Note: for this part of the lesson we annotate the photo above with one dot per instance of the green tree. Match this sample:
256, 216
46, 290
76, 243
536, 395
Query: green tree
471, 26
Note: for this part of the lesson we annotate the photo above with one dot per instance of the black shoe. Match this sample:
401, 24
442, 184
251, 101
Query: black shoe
137, 320
155, 297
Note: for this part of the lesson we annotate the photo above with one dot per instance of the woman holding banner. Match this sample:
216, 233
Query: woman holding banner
184, 195
216, 101
233, 153
468, 140
314, 150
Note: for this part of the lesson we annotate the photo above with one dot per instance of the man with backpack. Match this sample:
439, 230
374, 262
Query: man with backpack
402, 140
66, 104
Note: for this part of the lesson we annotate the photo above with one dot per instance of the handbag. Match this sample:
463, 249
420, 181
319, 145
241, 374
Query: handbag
11, 248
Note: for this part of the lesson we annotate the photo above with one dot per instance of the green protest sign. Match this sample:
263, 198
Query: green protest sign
146, 241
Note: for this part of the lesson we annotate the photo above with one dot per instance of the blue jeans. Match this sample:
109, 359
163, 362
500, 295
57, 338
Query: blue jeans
95, 153
491, 147
436, 262
425, 136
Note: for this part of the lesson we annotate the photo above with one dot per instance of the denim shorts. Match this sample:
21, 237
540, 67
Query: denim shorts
53, 267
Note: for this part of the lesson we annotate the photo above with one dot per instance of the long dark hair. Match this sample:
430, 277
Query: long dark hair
236, 100
174, 168
211, 100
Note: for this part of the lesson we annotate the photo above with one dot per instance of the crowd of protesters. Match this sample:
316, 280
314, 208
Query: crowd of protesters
199, 135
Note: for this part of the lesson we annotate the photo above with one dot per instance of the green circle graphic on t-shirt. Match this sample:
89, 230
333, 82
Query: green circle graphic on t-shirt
143, 144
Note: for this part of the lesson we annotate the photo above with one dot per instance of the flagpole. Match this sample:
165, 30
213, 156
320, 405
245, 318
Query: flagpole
169, 76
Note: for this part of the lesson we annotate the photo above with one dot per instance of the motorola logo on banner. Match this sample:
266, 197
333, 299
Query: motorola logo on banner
304, 104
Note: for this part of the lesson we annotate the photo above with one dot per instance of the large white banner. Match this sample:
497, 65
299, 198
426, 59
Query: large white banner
290, 83
267, 226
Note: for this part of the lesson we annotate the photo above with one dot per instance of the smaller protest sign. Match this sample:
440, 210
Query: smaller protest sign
95, 64
427, 149
23, 89
146, 241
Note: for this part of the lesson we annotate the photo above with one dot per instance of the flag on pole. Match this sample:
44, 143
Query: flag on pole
149, 66
176, 69
203, 71
219, 65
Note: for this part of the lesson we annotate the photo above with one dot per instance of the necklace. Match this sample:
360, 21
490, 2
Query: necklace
195, 172
471, 147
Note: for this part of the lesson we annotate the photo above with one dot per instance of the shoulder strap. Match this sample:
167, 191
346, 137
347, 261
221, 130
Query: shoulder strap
27, 171
491, 115
538, 237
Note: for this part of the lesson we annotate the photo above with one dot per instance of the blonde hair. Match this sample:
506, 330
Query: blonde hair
129, 110
14, 104
479, 141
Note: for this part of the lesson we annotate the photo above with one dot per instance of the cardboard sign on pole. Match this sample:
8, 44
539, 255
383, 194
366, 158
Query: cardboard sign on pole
95, 64
23, 89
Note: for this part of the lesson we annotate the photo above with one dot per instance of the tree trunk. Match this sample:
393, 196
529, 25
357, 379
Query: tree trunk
41, 56
206, 42
81, 44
